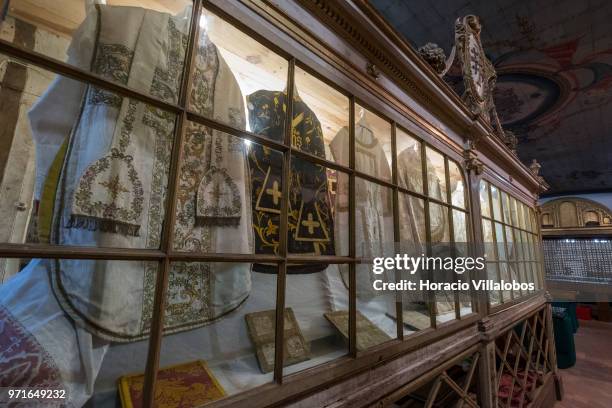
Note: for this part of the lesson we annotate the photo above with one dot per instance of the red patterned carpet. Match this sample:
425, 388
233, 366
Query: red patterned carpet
589, 383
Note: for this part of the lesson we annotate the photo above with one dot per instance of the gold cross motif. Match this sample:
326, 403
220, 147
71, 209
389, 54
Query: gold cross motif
311, 224
114, 187
274, 192
216, 192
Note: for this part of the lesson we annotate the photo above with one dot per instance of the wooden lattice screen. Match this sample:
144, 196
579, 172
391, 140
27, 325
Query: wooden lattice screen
522, 361
454, 386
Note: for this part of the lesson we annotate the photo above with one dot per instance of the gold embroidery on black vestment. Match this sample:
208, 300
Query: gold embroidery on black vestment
310, 222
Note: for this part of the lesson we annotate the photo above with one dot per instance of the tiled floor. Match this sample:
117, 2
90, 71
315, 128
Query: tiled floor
589, 383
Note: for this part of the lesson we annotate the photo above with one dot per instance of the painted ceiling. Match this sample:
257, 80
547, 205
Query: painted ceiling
554, 88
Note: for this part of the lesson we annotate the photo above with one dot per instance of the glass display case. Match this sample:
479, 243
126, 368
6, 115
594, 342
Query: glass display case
195, 192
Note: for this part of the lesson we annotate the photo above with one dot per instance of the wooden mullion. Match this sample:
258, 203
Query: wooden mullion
234, 131
505, 243
157, 323
352, 238
181, 256
374, 179
279, 334
495, 243
9, 250
399, 308
451, 229
480, 301
321, 161
433, 307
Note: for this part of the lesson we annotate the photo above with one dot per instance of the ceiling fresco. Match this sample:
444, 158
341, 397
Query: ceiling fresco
554, 87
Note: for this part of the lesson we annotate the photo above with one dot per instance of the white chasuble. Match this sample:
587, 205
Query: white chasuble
373, 207
113, 156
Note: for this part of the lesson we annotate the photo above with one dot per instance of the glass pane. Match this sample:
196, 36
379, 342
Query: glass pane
320, 118
531, 275
520, 245
532, 218
521, 214
376, 311
499, 236
510, 243
512, 257
416, 313
236, 77
318, 213
493, 274
460, 226
319, 302
224, 320
490, 254
213, 209
101, 316
489, 241
106, 40
372, 144
505, 273
409, 162
266, 175
513, 212
461, 237
457, 184
78, 169
484, 199
496, 203
445, 299
439, 225
412, 219
373, 230
415, 309
528, 225
524, 274
436, 175
506, 207
532, 239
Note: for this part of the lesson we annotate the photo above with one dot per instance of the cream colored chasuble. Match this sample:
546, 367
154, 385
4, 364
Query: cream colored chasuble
114, 156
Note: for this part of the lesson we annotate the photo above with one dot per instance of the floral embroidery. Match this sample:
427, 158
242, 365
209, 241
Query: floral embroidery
310, 222
166, 82
205, 74
114, 172
112, 61
109, 215
218, 199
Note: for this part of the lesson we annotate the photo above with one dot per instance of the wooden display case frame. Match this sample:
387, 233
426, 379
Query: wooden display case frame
348, 45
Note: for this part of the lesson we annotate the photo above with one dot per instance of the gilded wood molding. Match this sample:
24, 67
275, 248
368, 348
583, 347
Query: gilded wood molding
575, 213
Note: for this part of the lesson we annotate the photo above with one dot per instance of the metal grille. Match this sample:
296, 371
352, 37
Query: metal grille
578, 260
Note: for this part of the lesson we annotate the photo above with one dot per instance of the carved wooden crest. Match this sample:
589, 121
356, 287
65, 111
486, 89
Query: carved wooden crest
478, 72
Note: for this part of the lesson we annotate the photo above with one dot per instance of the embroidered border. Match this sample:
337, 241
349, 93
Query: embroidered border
112, 61
23, 360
